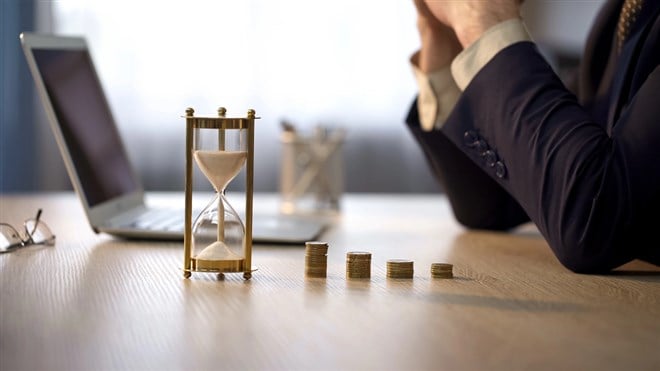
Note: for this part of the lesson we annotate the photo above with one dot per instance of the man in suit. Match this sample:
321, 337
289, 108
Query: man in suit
510, 143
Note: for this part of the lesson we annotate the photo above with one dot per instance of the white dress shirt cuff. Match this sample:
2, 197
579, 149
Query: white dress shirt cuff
470, 61
438, 94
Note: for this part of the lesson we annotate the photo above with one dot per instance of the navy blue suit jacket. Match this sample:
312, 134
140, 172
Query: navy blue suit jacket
584, 166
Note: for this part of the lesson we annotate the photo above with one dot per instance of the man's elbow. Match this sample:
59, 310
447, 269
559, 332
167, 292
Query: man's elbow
485, 221
592, 257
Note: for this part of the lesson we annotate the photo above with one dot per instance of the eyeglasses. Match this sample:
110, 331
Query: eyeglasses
36, 233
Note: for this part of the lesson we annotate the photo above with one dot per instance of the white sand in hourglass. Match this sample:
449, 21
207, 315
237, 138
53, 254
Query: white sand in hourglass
219, 167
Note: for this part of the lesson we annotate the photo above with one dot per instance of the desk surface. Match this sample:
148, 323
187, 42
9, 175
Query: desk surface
92, 302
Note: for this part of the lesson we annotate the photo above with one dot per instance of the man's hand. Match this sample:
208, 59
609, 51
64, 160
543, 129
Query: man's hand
471, 18
439, 42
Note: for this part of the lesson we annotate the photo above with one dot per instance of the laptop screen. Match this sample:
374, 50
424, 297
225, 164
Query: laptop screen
86, 122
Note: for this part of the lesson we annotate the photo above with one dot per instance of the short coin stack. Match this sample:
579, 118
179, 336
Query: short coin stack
316, 259
358, 264
400, 268
441, 270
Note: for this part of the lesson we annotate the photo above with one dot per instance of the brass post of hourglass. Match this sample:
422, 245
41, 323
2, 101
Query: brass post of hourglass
187, 231
249, 186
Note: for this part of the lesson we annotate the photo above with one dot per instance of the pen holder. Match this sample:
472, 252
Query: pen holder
311, 178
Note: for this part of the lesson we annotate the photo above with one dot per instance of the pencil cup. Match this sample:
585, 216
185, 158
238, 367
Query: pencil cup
311, 177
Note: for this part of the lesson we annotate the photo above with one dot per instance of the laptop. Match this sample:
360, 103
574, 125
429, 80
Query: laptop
95, 157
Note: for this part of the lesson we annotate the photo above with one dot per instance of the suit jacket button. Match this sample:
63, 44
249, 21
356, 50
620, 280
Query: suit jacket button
491, 157
481, 147
470, 138
500, 169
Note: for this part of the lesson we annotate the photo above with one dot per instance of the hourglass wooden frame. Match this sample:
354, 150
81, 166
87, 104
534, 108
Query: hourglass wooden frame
219, 123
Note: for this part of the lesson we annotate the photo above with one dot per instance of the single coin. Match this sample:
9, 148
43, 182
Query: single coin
358, 255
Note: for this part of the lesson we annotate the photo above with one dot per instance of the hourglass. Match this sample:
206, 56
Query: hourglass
217, 241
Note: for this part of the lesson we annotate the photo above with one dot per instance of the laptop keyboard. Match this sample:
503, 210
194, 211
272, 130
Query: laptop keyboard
159, 220
269, 229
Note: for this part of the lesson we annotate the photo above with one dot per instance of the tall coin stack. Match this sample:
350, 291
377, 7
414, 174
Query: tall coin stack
400, 268
441, 270
358, 264
316, 259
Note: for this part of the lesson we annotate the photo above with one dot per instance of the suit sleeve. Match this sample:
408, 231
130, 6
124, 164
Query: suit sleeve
477, 201
593, 195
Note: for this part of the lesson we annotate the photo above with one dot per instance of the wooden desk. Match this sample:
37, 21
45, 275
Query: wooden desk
93, 303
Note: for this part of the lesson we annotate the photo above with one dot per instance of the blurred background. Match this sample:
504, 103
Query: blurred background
335, 63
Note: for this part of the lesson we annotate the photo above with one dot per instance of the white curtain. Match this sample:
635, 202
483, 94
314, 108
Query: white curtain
340, 62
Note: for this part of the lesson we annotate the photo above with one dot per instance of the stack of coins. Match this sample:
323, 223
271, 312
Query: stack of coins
358, 264
399, 268
316, 259
441, 270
